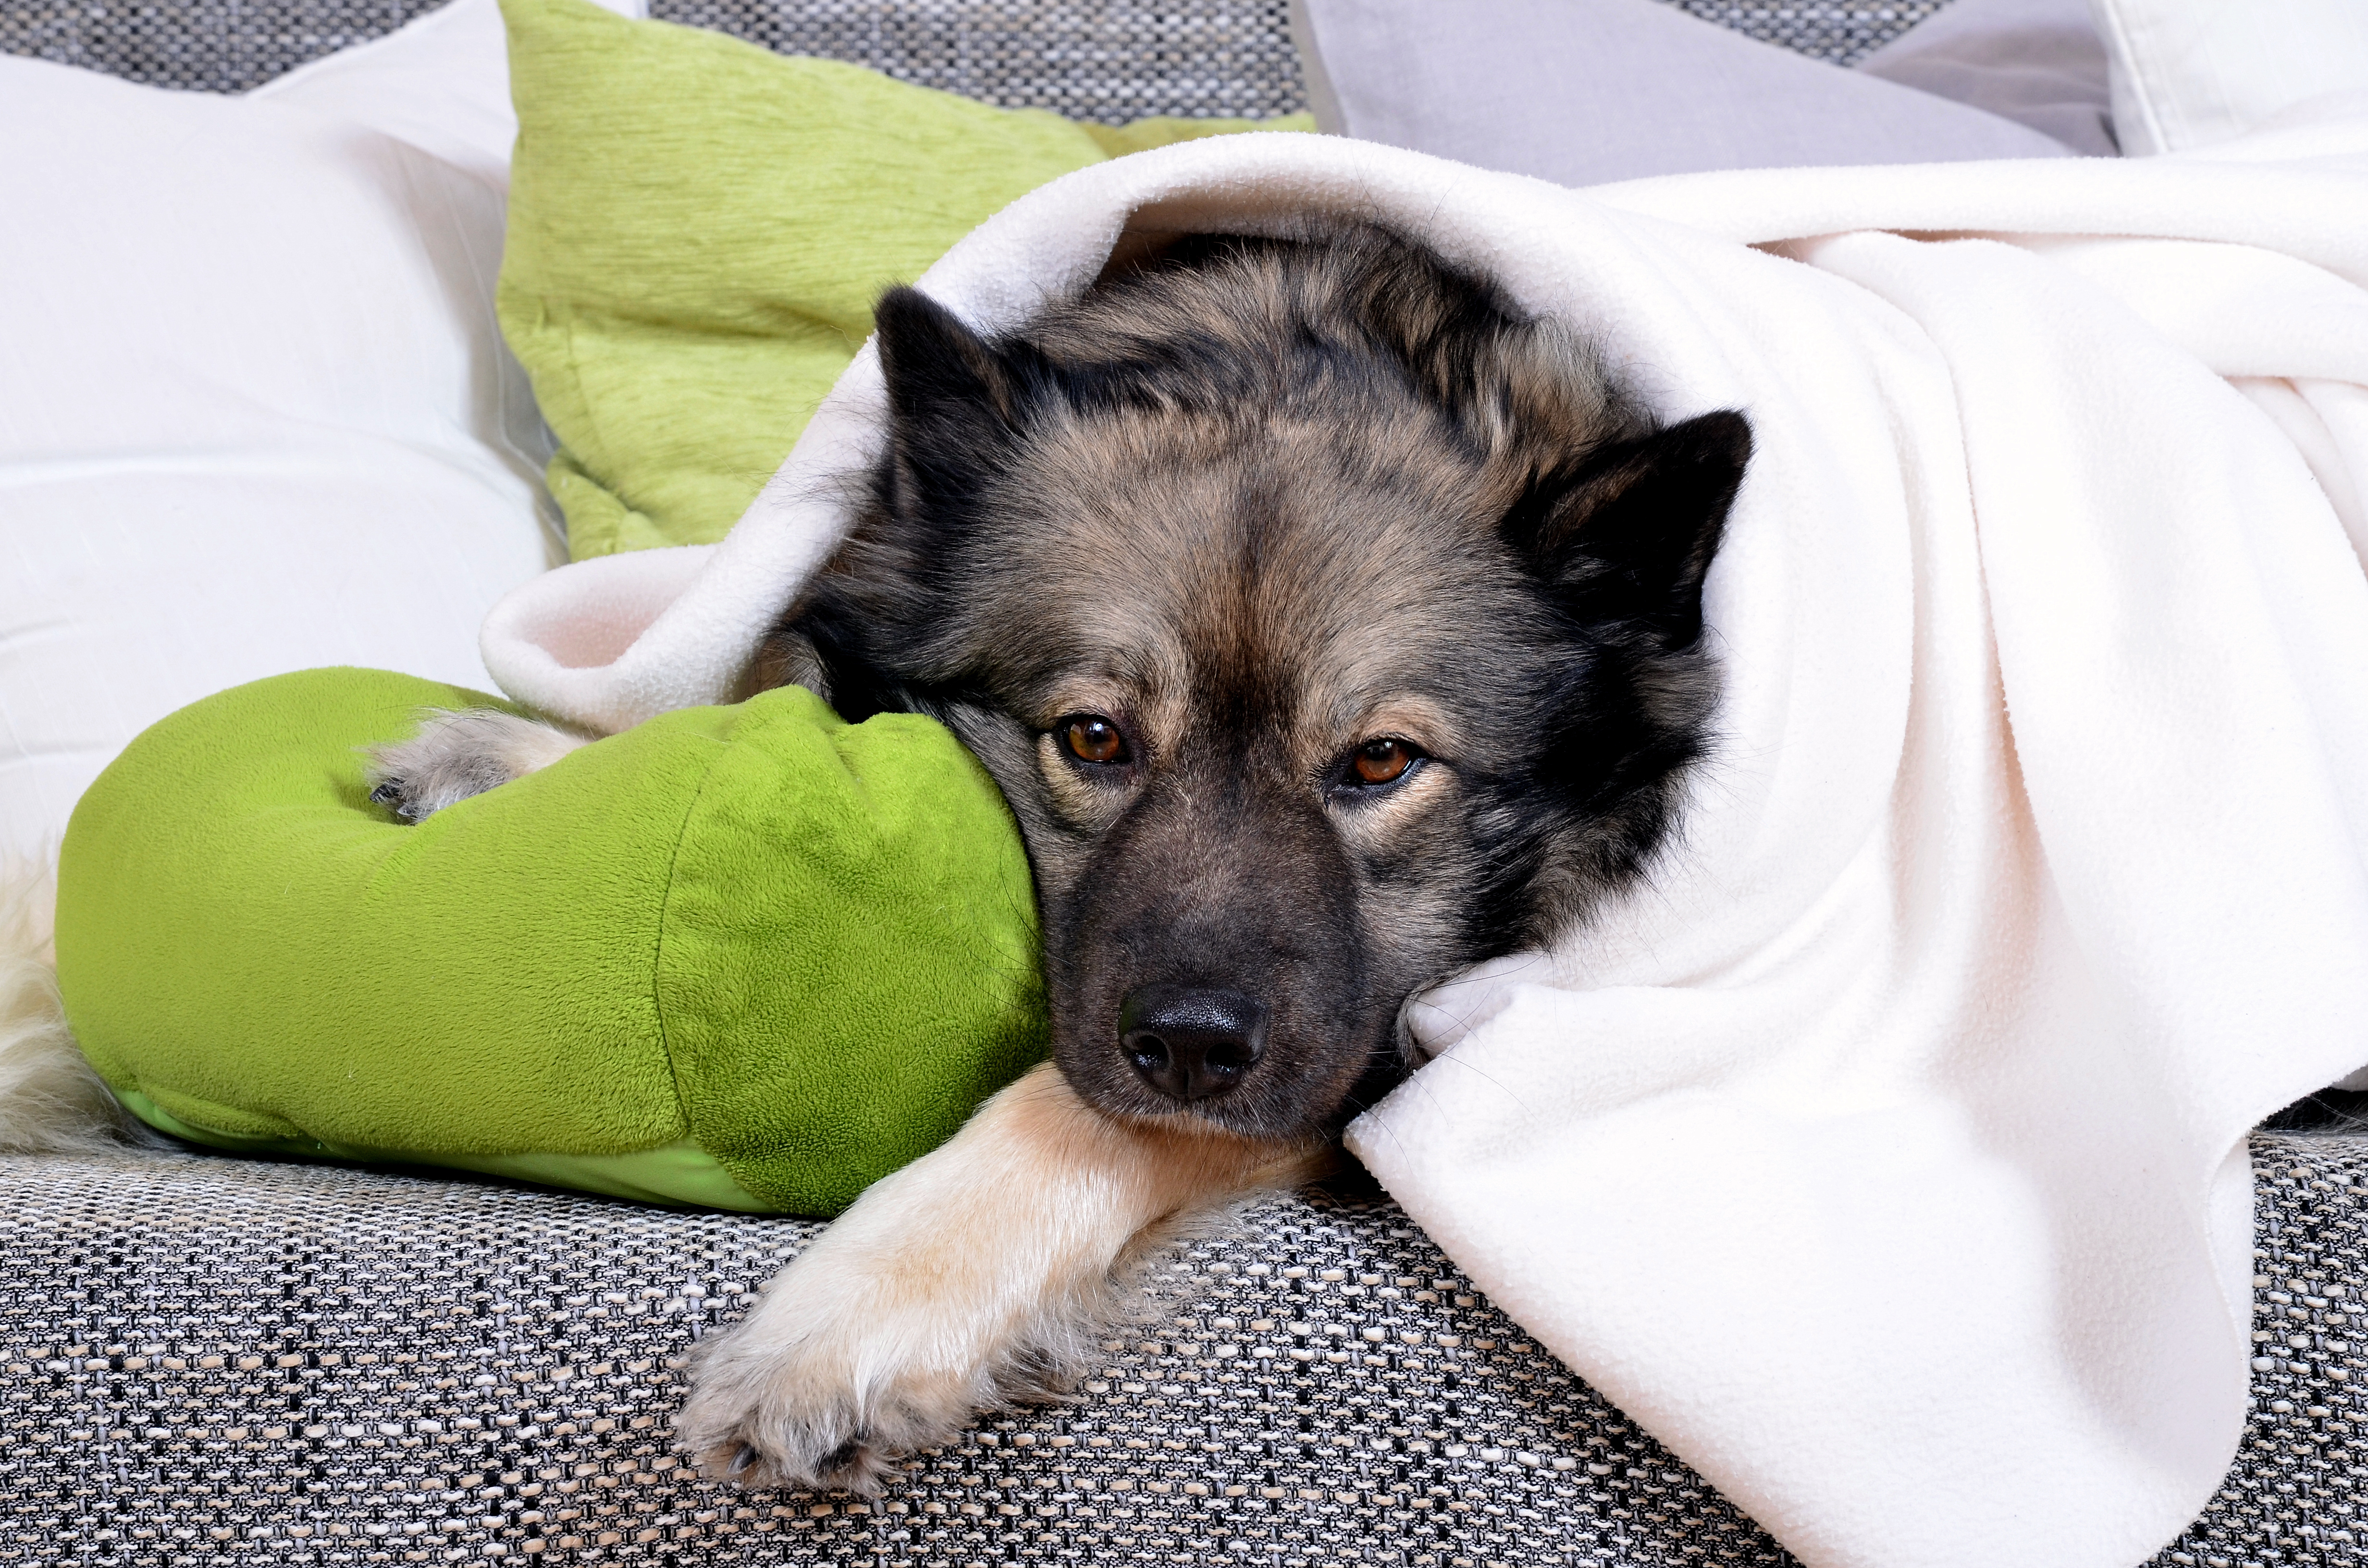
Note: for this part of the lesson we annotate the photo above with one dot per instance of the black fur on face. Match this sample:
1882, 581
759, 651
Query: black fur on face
1328, 627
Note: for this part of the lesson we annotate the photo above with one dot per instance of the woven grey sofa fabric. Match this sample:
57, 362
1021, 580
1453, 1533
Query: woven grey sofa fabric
208, 1360
1841, 31
1116, 60
215, 46
1109, 60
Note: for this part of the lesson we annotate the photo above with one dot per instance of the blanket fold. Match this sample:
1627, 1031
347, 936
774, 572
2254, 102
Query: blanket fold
1884, 1155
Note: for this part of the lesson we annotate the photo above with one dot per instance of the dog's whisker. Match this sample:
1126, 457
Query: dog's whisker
1485, 1077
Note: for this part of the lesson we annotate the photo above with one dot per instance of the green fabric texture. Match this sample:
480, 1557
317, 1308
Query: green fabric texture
751, 957
698, 229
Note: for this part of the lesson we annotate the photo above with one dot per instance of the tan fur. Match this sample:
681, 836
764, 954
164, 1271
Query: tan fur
971, 1279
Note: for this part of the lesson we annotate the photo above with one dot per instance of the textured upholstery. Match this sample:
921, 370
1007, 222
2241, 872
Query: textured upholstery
210, 1360
1112, 60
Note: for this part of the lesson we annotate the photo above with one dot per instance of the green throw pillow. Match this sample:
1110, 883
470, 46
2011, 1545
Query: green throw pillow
749, 957
698, 229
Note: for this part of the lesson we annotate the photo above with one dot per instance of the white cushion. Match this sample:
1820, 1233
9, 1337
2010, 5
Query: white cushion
2190, 73
256, 415
1582, 92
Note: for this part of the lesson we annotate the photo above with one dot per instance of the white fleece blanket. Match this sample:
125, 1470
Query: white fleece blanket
1885, 1158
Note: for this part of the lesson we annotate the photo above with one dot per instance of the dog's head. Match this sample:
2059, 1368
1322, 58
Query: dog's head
1328, 628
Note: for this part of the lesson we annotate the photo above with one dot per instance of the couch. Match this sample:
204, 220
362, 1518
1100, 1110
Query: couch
210, 1360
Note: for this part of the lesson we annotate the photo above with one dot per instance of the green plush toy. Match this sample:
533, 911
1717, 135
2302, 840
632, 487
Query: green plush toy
749, 957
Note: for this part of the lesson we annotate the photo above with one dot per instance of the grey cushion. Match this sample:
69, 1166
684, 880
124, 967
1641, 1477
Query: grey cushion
1583, 92
2038, 62
215, 1360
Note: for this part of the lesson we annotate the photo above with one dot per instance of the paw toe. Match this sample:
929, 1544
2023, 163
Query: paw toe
395, 798
761, 1460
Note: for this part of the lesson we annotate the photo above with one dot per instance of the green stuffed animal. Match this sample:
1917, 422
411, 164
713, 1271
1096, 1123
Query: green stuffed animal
747, 957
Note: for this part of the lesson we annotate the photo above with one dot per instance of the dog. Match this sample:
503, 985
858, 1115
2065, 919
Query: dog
1329, 625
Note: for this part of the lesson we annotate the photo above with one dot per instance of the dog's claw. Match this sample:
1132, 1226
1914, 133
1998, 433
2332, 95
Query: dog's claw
785, 1398
761, 1455
883, 1339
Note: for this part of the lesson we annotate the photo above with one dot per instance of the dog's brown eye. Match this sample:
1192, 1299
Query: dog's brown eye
1381, 762
1092, 738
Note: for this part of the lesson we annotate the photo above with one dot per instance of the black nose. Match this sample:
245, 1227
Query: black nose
1190, 1042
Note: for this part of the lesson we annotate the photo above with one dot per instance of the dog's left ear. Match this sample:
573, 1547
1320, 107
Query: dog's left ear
1629, 536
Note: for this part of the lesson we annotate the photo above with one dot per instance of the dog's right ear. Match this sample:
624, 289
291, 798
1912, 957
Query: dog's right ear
955, 402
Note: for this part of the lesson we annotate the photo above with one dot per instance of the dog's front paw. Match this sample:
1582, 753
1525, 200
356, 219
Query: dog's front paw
457, 754
808, 1414
978, 1277
837, 1377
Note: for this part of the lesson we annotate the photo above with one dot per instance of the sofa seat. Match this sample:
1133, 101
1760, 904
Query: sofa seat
214, 1360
